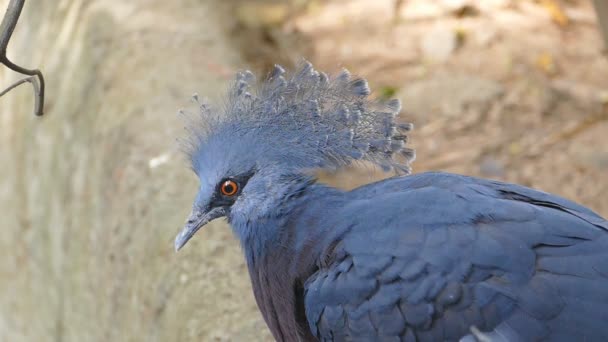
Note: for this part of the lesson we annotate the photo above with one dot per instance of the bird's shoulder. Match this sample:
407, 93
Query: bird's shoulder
433, 198
429, 256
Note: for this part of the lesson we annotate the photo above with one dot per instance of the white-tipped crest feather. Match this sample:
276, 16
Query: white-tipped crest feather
304, 119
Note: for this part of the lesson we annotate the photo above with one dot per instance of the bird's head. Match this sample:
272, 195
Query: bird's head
253, 152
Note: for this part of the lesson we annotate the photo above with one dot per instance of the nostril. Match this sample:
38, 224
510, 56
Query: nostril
193, 218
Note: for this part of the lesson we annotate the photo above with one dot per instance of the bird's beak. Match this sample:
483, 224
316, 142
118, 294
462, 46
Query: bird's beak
197, 219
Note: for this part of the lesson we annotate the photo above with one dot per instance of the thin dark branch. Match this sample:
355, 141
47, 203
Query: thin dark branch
6, 31
30, 79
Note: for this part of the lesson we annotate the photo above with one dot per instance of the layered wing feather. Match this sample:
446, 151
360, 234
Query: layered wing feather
428, 257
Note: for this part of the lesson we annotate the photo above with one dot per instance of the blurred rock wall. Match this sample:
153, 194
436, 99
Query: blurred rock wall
92, 194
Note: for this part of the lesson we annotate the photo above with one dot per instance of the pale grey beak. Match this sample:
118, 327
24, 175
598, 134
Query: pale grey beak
197, 219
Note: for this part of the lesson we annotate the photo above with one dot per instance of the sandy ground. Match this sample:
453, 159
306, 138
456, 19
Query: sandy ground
93, 194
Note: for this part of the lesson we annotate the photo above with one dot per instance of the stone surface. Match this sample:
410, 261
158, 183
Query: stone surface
92, 194
449, 95
439, 43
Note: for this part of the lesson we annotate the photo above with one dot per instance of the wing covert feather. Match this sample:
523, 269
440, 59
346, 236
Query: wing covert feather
429, 263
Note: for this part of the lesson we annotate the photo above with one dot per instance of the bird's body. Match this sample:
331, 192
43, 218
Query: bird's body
425, 257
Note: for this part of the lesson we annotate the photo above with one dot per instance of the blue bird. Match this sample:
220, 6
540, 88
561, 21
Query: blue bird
425, 257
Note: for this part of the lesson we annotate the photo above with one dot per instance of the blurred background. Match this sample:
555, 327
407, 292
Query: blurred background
93, 193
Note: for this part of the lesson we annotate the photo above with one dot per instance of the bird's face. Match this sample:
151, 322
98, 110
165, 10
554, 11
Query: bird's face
216, 197
236, 181
243, 194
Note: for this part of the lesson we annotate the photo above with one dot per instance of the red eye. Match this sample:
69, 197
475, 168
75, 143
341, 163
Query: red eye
229, 188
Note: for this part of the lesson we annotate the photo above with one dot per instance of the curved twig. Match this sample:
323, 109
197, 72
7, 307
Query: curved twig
6, 31
31, 79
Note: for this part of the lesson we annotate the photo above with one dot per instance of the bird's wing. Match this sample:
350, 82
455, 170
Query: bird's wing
432, 261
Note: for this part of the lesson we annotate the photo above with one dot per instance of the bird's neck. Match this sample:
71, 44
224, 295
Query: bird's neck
286, 254
297, 217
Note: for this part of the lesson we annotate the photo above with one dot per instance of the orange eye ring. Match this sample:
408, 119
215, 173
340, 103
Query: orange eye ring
229, 188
